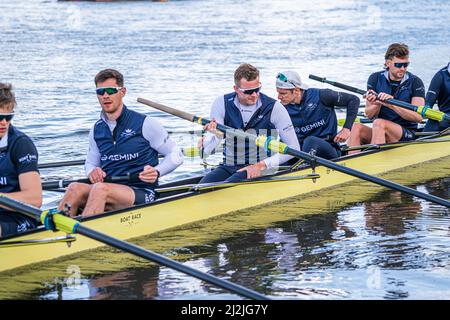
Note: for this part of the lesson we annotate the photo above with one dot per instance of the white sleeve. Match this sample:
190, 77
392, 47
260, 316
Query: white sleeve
93, 156
159, 140
211, 141
283, 123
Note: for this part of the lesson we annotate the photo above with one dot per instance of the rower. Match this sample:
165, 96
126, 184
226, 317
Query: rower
439, 90
391, 123
19, 175
313, 115
122, 142
247, 109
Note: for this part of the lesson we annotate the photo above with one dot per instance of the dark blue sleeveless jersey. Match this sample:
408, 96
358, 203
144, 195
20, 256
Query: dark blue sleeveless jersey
245, 152
405, 91
440, 86
125, 151
312, 118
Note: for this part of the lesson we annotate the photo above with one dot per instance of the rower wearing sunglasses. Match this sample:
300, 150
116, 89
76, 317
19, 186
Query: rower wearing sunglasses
123, 142
439, 90
248, 109
19, 175
391, 123
313, 115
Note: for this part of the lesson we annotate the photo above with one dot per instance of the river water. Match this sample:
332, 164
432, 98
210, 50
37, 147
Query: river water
183, 54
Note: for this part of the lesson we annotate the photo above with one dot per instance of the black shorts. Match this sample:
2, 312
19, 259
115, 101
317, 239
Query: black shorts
13, 223
408, 135
143, 195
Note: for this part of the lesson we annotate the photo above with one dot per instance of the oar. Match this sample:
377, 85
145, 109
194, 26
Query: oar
187, 151
277, 146
65, 224
220, 185
185, 131
424, 111
55, 184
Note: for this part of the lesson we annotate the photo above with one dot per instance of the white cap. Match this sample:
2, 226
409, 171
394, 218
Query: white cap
290, 80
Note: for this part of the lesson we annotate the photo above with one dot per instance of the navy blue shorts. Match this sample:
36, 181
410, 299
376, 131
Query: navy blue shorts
408, 135
143, 195
13, 223
433, 125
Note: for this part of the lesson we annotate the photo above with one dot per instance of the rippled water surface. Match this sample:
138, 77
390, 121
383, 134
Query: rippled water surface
183, 54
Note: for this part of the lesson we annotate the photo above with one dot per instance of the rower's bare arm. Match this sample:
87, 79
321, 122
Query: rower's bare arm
97, 175
409, 114
372, 107
30, 189
254, 170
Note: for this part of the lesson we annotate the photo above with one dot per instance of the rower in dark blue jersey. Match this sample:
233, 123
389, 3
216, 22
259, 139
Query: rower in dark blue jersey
313, 115
122, 142
439, 90
252, 111
19, 175
391, 123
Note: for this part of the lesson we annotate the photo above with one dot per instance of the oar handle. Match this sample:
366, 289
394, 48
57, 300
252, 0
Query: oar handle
175, 112
47, 185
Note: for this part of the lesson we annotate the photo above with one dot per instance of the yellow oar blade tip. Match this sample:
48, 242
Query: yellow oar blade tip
191, 152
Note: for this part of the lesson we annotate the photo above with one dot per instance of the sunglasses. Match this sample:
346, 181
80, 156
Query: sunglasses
250, 91
401, 64
283, 78
7, 116
109, 91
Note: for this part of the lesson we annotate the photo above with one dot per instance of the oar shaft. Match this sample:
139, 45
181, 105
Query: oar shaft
61, 164
424, 111
191, 152
24, 208
367, 177
146, 254
338, 85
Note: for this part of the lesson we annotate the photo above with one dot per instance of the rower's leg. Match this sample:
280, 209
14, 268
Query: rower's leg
360, 134
431, 126
385, 131
221, 173
111, 195
320, 148
75, 197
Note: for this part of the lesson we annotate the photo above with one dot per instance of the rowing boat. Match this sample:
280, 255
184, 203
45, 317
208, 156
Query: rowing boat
181, 208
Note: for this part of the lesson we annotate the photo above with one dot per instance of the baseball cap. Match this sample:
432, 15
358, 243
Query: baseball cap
290, 80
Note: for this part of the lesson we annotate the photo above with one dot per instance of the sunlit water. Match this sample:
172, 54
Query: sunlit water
183, 54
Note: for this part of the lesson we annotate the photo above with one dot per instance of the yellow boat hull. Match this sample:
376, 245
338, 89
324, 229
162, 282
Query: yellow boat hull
193, 207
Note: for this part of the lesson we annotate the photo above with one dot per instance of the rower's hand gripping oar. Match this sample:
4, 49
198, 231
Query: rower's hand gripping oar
56, 221
270, 143
424, 111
